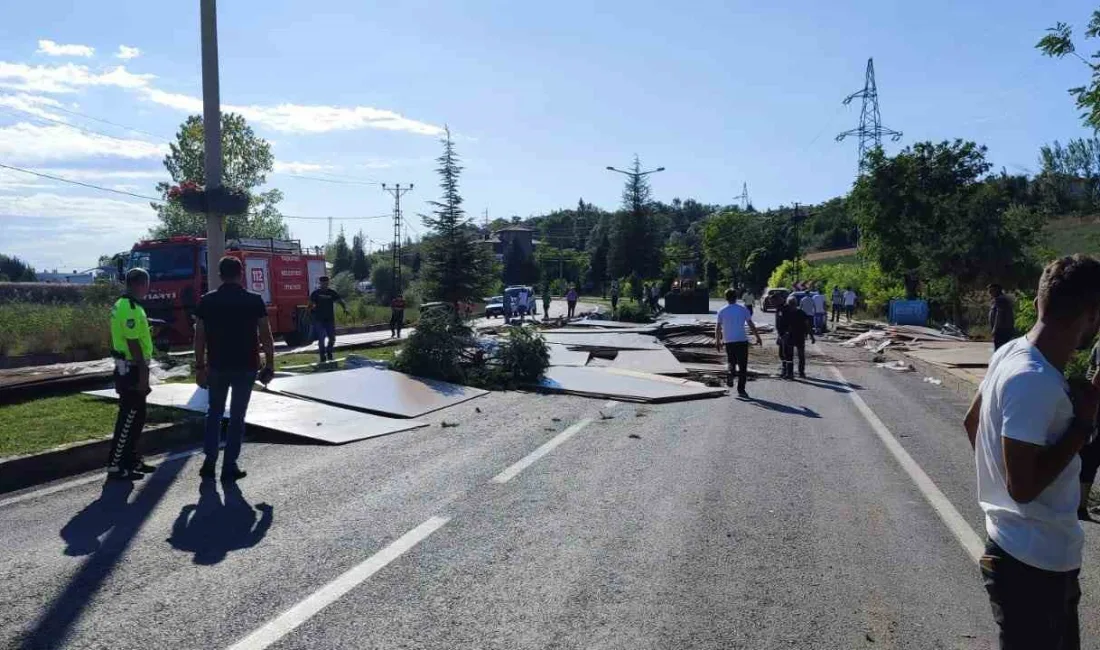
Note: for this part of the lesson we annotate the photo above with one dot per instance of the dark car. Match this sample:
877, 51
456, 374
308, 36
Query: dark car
774, 298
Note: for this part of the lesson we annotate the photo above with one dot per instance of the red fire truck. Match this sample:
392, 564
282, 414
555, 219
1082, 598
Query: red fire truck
276, 269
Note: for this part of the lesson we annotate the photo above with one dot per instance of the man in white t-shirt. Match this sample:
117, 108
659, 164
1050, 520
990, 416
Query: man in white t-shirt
1027, 425
730, 335
819, 311
849, 303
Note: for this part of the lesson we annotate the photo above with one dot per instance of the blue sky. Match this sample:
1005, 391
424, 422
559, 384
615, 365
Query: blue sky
541, 97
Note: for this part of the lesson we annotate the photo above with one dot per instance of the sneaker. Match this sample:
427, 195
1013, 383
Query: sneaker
801, 375
1083, 514
124, 475
144, 468
233, 474
207, 470
743, 394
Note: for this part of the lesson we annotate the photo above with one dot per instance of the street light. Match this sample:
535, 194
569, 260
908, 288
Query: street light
621, 171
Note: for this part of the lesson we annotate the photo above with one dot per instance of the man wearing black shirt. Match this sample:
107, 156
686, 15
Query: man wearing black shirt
232, 325
324, 317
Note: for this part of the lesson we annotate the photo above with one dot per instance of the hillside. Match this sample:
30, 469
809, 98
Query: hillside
1068, 235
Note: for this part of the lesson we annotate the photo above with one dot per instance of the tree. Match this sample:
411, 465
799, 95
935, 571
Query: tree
16, 269
519, 268
1058, 43
341, 254
635, 243
381, 278
360, 265
728, 240
246, 161
1070, 176
457, 265
929, 216
599, 243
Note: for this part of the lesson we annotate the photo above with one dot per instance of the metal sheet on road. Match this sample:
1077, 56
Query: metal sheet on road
377, 391
605, 341
289, 415
608, 383
560, 355
658, 362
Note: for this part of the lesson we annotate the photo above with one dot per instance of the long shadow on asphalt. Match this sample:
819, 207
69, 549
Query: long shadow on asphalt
783, 408
212, 529
838, 386
119, 520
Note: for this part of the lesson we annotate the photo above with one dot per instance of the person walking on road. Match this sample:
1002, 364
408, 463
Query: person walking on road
806, 304
546, 301
1027, 425
838, 303
849, 303
655, 298
397, 315
132, 349
1002, 320
614, 297
792, 325
819, 311
231, 329
321, 303
571, 301
730, 335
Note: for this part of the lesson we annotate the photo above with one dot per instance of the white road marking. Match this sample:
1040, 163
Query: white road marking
289, 620
544, 448
951, 518
84, 480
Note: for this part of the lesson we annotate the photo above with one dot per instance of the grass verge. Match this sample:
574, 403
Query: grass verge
40, 424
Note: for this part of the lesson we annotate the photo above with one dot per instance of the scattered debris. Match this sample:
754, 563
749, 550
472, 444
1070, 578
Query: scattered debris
635, 436
477, 409
446, 425
897, 365
603, 416
933, 381
555, 419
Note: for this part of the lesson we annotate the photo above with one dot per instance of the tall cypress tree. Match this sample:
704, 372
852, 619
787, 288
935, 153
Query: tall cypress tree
341, 254
457, 265
360, 265
633, 242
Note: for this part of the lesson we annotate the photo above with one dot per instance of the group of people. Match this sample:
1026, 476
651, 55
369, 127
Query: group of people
231, 330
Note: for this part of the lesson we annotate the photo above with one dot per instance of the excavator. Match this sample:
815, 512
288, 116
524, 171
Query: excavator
688, 295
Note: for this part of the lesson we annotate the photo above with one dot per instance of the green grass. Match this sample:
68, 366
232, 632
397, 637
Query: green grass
41, 424
1070, 235
360, 312
30, 328
385, 353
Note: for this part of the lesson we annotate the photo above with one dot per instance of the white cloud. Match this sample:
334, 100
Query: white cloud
297, 118
50, 48
294, 167
99, 174
31, 104
24, 142
68, 78
126, 52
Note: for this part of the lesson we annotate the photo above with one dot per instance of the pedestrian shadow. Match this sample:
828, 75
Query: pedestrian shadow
804, 411
838, 386
102, 531
211, 528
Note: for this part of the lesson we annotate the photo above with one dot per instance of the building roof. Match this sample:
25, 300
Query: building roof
514, 229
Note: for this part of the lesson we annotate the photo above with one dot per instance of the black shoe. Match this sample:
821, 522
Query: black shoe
743, 394
1083, 514
144, 468
801, 375
233, 474
124, 475
207, 470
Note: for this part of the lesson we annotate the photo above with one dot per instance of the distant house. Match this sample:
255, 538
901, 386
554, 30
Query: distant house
76, 277
502, 240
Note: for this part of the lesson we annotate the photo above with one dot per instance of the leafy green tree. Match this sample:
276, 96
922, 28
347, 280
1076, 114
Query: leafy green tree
1058, 43
246, 161
598, 245
360, 265
1070, 177
16, 269
519, 268
457, 265
635, 241
728, 240
381, 277
929, 216
340, 254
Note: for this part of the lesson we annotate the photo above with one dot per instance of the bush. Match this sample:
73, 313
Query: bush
634, 312
522, 356
874, 288
437, 347
559, 287
1025, 312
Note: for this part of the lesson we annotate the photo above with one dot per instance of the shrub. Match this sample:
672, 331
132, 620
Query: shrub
522, 356
634, 312
874, 288
437, 347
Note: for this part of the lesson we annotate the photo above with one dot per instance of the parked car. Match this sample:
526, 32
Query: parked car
532, 299
494, 307
774, 297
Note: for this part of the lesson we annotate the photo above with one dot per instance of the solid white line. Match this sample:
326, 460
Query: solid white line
544, 448
84, 480
287, 621
954, 521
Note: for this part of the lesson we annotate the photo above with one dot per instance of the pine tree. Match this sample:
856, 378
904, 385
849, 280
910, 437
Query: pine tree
360, 265
341, 254
634, 243
457, 265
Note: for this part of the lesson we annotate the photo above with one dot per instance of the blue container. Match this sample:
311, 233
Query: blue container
908, 312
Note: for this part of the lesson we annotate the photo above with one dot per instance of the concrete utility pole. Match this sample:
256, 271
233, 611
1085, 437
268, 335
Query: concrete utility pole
397, 191
212, 136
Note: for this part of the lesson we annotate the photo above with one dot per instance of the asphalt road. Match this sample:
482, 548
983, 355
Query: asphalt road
781, 522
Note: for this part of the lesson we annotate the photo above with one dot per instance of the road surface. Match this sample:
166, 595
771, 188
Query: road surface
539, 522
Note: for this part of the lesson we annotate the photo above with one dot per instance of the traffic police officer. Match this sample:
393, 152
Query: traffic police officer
132, 349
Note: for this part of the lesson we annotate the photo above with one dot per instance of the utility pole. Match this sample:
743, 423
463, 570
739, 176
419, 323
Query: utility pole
743, 197
329, 234
212, 135
870, 129
397, 192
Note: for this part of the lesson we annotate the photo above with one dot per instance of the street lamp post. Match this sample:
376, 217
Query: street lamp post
212, 135
635, 177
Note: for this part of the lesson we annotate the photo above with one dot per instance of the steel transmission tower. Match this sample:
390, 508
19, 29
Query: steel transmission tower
743, 197
870, 129
397, 192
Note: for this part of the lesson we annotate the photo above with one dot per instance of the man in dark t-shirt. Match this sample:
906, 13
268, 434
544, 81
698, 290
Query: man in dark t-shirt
1002, 321
232, 326
397, 315
322, 303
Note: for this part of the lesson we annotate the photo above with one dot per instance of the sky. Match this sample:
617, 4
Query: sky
540, 97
